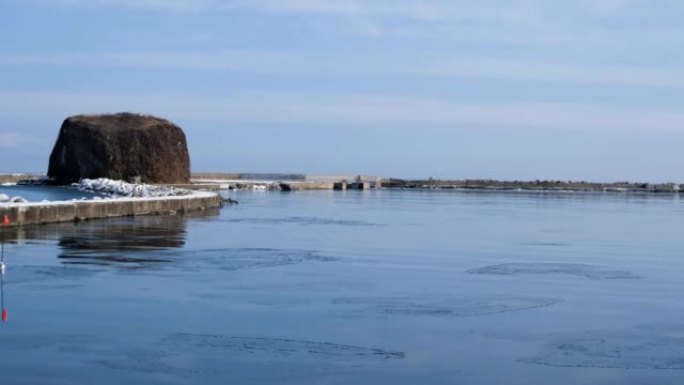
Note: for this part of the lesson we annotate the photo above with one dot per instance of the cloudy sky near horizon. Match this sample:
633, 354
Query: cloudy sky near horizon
526, 89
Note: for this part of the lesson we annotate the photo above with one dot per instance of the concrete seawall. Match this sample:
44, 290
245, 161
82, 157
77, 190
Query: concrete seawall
22, 214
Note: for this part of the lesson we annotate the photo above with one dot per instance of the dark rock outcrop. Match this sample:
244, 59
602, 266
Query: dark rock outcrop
120, 146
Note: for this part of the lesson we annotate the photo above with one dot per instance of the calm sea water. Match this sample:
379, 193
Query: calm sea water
400, 287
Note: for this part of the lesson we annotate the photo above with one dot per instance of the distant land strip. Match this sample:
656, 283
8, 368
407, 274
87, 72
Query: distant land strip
536, 185
430, 183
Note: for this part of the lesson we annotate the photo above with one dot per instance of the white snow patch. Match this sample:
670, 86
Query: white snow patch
115, 198
5, 199
117, 188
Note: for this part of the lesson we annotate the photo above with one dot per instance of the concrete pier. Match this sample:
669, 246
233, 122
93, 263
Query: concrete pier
21, 214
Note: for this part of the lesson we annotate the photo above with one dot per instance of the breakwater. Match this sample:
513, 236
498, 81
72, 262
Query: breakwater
21, 214
290, 182
282, 182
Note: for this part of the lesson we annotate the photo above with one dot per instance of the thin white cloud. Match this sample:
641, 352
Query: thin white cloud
9, 139
521, 22
416, 9
405, 8
316, 64
163, 5
397, 113
15, 139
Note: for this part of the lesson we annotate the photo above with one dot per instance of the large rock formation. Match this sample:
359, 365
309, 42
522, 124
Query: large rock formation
121, 146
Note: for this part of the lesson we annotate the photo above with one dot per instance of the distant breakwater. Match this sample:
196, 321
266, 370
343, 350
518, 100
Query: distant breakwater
290, 182
215, 181
537, 185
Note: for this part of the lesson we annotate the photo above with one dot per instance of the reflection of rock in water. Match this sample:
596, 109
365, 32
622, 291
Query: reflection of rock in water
144, 242
274, 347
122, 241
614, 350
126, 227
588, 271
133, 233
466, 307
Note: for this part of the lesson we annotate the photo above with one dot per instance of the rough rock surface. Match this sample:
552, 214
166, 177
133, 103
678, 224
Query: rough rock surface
120, 146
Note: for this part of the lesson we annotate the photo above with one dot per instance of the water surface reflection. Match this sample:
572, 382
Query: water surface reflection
401, 287
128, 240
86, 248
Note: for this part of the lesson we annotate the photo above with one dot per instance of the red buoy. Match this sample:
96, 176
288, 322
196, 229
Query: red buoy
5, 220
4, 315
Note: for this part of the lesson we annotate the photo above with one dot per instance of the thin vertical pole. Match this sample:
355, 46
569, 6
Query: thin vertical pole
2, 296
5, 223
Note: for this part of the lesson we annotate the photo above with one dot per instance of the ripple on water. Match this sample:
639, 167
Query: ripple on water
465, 307
580, 270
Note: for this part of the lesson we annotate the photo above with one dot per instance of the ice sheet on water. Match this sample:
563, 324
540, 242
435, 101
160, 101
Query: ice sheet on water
185, 355
143, 361
304, 221
52, 277
107, 353
580, 270
453, 307
225, 259
639, 349
230, 259
57, 341
276, 347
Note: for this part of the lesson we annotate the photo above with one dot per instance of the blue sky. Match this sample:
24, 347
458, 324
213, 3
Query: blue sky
584, 89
